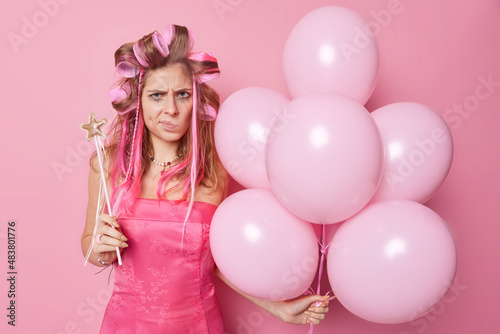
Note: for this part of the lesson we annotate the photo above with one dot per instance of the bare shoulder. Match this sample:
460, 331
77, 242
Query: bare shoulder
211, 194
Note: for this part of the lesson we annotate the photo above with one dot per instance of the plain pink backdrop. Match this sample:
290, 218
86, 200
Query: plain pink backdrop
434, 52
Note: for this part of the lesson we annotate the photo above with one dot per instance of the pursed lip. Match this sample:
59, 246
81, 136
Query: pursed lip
168, 125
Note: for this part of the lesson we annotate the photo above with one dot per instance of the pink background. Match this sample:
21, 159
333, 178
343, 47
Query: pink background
432, 52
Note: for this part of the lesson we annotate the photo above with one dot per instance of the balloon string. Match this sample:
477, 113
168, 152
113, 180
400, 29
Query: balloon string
323, 249
323, 252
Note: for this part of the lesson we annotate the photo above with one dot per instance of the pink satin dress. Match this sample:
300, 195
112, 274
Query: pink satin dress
158, 288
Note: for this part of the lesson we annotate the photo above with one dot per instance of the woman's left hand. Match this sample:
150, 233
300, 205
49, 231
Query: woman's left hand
303, 310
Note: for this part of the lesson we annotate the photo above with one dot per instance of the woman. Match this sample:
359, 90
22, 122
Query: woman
167, 182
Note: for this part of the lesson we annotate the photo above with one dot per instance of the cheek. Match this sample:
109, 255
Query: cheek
148, 116
185, 111
149, 110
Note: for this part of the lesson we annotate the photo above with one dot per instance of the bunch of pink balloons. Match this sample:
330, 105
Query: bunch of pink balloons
321, 157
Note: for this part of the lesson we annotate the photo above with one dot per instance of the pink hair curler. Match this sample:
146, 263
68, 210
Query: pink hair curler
169, 33
208, 113
160, 43
139, 55
119, 94
126, 69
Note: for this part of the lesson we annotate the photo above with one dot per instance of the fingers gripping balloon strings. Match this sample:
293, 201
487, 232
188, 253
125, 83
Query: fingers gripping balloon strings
323, 250
93, 128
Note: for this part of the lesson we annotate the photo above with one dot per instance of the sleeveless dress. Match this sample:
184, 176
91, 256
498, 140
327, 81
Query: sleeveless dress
159, 288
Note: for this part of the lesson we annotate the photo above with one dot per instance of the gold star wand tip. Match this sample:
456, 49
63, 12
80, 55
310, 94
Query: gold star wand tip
93, 127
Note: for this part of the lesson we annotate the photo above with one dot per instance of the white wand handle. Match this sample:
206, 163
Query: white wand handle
98, 145
93, 128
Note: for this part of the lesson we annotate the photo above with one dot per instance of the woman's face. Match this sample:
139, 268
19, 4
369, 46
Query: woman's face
167, 103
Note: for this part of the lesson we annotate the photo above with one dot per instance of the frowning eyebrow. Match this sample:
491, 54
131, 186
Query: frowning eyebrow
155, 91
189, 89
149, 91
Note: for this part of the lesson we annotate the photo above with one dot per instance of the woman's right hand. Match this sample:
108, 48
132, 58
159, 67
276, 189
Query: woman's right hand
108, 237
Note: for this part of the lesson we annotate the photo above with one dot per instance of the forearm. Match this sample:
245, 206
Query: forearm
267, 305
300, 311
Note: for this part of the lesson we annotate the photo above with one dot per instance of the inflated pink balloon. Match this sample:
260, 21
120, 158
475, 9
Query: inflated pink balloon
324, 165
261, 248
418, 151
241, 131
392, 262
331, 49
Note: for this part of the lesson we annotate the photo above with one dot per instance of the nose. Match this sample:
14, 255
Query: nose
171, 106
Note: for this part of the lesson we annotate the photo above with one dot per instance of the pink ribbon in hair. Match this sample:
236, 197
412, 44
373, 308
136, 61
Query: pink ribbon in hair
209, 114
202, 56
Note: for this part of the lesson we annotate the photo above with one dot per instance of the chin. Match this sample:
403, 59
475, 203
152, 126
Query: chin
172, 138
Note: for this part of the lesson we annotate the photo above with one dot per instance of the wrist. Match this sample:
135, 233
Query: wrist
105, 259
275, 307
